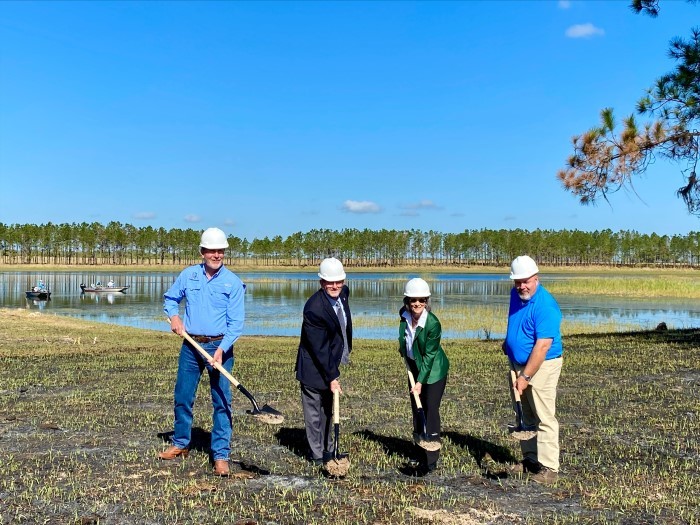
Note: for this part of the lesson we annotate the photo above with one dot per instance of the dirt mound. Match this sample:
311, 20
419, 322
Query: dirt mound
473, 517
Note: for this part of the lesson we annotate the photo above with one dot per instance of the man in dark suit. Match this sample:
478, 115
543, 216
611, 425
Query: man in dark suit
325, 343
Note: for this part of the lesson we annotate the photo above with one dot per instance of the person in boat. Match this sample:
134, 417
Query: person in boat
110, 284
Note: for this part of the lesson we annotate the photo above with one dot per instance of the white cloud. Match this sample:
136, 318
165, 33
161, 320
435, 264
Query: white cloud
409, 213
584, 31
229, 222
361, 207
191, 217
144, 215
564, 4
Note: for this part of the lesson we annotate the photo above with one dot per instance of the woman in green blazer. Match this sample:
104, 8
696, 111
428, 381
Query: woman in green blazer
419, 344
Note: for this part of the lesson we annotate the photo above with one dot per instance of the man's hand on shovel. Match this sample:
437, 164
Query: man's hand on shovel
178, 327
520, 384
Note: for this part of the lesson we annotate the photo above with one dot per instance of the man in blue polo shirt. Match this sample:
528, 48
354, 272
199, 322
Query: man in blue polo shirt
533, 346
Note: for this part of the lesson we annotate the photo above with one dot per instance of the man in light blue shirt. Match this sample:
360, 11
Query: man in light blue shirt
214, 315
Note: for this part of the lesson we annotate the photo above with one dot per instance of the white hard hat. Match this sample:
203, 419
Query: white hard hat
416, 287
331, 270
213, 239
523, 267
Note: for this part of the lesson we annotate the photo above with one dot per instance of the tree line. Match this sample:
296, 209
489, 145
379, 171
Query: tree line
125, 244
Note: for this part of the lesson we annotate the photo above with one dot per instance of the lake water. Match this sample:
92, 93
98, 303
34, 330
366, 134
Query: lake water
274, 301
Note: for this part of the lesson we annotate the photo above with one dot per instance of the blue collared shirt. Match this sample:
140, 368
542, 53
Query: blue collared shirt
212, 306
528, 321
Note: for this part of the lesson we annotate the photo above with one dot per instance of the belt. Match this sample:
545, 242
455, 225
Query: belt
207, 338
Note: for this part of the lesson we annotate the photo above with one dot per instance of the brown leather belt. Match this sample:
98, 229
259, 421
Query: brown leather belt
207, 338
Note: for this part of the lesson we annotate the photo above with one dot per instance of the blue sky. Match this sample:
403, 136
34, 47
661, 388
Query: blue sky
267, 118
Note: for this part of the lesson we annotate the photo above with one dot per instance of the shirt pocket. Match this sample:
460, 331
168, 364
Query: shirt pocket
219, 295
193, 290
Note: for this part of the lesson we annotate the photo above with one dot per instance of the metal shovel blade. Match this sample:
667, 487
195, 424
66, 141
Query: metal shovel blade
335, 463
267, 414
335, 453
520, 430
425, 440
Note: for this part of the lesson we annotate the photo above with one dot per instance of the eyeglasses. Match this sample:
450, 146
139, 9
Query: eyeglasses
421, 300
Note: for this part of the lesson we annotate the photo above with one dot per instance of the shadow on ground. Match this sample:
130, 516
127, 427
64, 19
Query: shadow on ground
199, 441
479, 448
294, 439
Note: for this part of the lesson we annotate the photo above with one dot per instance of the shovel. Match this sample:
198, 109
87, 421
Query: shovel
422, 440
266, 414
335, 462
520, 430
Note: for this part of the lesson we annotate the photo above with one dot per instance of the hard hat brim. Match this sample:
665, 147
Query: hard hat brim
515, 276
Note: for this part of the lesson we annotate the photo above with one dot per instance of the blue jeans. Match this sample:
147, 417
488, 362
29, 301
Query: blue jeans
189, 371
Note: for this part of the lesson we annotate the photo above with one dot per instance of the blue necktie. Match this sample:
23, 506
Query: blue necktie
345, 359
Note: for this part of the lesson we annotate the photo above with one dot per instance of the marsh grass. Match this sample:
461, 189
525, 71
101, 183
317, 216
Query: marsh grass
85, 407
484, 320
673, 285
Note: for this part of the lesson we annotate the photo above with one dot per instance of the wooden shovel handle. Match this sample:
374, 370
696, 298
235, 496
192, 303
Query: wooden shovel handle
206, 356
513, 378
336, 408
412, 382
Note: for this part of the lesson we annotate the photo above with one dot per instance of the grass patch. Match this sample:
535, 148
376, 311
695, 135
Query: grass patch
673, 285
85, 407
483, 320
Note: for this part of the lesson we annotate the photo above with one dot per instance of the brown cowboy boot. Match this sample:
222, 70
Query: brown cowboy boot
221, 467
172, 452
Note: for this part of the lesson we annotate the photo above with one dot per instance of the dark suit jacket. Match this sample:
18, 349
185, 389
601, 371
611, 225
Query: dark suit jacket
321, 343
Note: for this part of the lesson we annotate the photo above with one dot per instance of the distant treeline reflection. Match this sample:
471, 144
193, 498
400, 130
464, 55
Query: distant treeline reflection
127, 245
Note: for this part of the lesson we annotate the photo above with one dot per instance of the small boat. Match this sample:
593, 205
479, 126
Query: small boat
38, 294
100, 288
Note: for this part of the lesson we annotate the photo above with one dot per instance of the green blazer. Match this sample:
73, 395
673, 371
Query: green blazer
431, 359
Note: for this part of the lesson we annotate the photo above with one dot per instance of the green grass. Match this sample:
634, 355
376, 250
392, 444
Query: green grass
673, 285
83, 406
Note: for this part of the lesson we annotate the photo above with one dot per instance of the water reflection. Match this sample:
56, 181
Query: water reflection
274, 302
37, 303
97, 297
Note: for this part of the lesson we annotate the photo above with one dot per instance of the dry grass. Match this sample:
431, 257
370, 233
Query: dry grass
85, 407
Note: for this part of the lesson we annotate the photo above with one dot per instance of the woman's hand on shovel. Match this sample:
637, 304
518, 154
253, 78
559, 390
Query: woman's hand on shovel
417, 388
335, 385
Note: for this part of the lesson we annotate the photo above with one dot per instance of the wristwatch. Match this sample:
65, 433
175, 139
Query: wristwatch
527, 377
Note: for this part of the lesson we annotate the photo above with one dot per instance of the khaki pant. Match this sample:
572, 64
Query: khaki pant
539, 408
